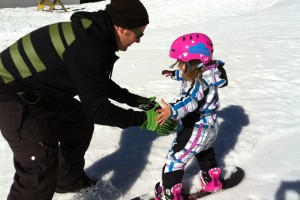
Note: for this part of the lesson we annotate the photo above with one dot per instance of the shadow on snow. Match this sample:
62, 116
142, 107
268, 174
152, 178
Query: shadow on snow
287, 186
234, 119
123, 167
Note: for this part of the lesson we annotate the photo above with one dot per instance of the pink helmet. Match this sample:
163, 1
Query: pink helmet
192, 46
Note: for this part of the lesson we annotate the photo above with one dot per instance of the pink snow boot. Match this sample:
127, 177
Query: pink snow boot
173, 194
176, 191
210, 180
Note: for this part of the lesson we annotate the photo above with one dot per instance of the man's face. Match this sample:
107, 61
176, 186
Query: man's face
126, 37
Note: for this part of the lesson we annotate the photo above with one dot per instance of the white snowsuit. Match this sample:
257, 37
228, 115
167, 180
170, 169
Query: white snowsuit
201, 100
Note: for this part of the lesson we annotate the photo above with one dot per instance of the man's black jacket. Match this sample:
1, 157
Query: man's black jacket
68, 59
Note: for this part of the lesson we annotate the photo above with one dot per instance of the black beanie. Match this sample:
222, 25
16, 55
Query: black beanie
127, 13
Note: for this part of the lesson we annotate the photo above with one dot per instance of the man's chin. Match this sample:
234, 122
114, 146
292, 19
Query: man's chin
123, 49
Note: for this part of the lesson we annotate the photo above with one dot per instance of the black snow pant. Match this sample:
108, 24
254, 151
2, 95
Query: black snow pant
48, 137
206, 159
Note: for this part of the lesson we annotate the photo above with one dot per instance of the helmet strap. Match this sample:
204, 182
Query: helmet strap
188, 64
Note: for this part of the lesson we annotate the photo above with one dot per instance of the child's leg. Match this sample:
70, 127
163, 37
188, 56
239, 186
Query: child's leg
170, 179
173, 170
206, 159
188, 143
206, 155
210, 172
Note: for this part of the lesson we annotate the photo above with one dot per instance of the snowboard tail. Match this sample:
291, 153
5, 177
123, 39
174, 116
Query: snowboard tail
235, 179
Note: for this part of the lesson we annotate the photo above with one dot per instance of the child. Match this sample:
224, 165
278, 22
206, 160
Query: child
195, 108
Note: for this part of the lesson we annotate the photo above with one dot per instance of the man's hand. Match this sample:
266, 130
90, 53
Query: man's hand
146, 103
167, 128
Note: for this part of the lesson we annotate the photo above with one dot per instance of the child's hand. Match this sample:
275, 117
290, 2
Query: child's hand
165, 113
167, 73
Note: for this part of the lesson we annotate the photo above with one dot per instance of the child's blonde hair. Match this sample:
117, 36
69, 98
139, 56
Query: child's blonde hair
193, 72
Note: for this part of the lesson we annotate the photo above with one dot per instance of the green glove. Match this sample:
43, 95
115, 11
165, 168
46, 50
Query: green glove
145, 103
150, 124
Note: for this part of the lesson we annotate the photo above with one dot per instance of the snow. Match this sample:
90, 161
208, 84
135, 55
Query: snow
260, 108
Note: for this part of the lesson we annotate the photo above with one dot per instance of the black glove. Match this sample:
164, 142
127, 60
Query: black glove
223, 73
168, 73
145, 103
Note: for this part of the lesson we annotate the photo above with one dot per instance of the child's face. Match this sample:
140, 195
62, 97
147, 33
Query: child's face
182, 66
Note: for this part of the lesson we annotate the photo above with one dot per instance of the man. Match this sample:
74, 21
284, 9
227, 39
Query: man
47, 129
89, 1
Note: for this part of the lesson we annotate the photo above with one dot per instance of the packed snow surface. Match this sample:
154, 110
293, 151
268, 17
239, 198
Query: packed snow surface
260, 108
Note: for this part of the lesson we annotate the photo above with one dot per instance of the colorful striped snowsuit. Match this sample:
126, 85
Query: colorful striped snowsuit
195, 108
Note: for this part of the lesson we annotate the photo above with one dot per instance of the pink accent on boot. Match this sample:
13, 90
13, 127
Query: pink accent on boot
176, 191
215, 183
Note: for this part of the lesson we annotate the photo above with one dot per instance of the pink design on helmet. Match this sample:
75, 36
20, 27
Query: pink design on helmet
192, 46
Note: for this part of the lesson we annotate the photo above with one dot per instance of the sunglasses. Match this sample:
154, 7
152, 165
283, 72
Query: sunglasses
138, 33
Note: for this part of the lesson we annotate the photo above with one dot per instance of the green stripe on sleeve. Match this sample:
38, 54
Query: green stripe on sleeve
86, 23
32, 55
4, 74
18, 60
68, 32
56, 40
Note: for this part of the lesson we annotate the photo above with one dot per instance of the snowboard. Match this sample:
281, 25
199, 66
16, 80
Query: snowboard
235, 179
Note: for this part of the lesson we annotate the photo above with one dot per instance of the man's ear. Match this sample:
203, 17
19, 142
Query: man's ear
119, 29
